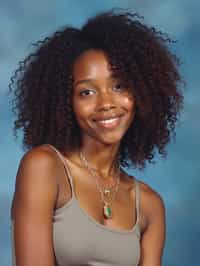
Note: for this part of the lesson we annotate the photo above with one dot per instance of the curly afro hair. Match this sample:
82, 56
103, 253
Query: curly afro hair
138, 55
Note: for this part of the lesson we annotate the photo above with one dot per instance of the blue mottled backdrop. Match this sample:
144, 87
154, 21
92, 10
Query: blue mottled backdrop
23, 22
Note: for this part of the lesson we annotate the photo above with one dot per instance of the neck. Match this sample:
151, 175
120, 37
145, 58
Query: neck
102, 158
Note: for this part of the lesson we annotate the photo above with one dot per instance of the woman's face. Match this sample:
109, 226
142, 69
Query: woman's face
103, 107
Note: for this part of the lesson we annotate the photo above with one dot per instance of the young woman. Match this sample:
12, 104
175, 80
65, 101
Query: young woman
90, 102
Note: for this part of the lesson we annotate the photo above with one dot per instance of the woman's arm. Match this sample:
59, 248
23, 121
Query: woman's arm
153, 238
32, 209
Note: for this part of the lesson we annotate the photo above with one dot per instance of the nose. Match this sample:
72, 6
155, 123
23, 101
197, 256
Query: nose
105, 101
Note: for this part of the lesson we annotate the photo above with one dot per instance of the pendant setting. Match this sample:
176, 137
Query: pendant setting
107, 191
107, 211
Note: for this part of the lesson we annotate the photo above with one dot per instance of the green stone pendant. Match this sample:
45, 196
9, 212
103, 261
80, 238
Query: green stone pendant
107, 211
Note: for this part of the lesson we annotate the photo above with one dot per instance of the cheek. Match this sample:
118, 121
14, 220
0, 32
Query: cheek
128, 103
82, 110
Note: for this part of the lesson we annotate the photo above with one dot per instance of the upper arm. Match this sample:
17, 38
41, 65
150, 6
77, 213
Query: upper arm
153, 238
32, 209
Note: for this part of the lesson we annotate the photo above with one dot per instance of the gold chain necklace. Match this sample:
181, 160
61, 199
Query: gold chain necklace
107, 194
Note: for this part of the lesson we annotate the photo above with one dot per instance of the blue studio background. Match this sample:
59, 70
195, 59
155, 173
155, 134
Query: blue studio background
177, 178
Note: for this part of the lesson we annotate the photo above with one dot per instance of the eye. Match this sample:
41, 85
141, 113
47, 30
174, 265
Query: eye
119, 87
86, 92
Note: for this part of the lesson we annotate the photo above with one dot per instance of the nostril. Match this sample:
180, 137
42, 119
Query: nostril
107, 107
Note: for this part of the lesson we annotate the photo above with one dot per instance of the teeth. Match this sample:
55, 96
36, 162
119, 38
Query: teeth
108, 121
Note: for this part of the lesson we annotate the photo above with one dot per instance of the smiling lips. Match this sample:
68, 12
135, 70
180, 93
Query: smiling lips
109, 122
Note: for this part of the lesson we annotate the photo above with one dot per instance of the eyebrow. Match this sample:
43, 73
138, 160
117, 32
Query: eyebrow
83, 81
89, 80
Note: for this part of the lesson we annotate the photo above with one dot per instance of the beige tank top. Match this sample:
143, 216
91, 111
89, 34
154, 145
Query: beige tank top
79, 240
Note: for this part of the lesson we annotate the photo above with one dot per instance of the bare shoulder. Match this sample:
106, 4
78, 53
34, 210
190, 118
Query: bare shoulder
40, 158
148, 193
153, 225
33, 206
39, 155
152, 202
39, 165
36, 178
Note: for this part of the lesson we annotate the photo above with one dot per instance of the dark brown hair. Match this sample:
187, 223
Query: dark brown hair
138, 55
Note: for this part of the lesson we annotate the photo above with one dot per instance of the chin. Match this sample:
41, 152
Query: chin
110, 140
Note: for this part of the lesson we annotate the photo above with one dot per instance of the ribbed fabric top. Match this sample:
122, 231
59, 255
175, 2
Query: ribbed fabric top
79, 240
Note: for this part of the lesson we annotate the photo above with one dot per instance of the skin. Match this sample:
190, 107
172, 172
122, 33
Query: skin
96, 96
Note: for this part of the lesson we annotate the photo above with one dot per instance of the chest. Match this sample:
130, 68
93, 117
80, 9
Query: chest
122, 207
86, 191
82, 237
81, 234
79, 240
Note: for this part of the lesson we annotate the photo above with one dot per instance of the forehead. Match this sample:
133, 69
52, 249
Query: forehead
91, 64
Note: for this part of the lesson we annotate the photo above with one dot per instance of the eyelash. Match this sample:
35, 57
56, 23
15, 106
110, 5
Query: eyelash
86, 92
122, 87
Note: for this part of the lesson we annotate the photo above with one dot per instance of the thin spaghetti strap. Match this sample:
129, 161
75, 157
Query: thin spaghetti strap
137, 198
67, 171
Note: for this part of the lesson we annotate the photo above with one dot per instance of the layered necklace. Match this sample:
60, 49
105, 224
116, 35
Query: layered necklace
107, 194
